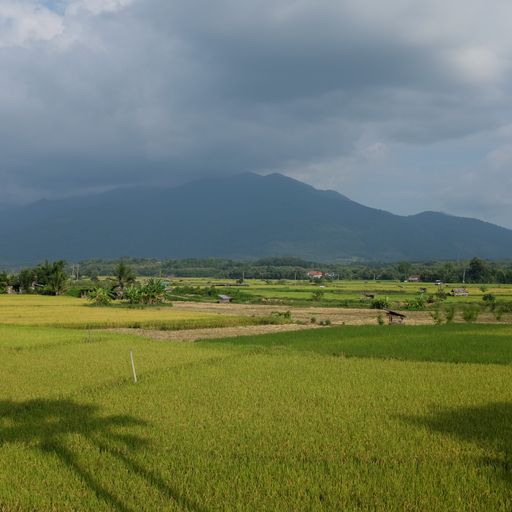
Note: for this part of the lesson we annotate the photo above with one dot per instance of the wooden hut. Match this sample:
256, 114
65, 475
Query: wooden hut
394, 317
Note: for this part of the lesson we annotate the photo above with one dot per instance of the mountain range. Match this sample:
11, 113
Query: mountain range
241, 216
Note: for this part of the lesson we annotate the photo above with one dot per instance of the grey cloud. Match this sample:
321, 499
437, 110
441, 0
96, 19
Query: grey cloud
160, 92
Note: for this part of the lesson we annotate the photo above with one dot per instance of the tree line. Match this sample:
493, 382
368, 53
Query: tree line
475, 270
53, 278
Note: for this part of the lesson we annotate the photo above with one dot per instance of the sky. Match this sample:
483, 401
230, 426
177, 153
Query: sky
400, 105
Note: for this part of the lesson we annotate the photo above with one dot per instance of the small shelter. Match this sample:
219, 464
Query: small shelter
394, 317
225, 299
414, 279
459, 292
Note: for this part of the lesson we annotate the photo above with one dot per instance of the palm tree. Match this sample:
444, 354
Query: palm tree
58, 278
4, 282
124, 275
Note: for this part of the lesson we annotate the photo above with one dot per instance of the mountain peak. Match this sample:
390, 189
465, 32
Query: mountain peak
246, 215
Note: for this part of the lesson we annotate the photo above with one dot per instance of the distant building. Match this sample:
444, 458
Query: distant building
315, 274
459, 292
414, 279
225, 299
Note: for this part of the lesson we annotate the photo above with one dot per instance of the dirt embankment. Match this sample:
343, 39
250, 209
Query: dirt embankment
337, 316
301, 318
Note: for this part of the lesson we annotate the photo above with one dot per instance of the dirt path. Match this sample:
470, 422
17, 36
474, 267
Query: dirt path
222, 332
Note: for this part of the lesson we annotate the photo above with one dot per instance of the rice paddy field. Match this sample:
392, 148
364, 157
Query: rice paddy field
40, 310
338, 418
350, 293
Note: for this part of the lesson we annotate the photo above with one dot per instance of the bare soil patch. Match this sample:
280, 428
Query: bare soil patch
221, 332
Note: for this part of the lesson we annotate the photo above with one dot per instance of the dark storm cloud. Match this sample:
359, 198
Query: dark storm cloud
104, 93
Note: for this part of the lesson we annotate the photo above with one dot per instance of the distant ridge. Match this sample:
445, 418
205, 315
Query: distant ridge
241, 216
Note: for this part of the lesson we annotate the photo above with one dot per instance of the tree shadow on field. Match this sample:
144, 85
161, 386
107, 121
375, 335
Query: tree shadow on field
488, 426
45, 424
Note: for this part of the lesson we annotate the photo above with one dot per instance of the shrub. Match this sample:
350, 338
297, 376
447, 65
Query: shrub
100, 297
441, 294
380, 319
282, 316
449, 313
318, 295
506, 307
437, 316
489, 298
498, 313
380, 303
151, 293
470, 313
416, 303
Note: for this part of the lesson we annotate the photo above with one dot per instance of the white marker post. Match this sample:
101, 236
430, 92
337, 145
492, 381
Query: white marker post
133, 368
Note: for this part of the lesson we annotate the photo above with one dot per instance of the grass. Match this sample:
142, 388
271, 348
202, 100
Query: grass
412, 419
447, 343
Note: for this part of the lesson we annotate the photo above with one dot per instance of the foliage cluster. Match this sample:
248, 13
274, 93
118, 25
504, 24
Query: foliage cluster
380, 303
416, 303
151, 293
100, 297
54, 278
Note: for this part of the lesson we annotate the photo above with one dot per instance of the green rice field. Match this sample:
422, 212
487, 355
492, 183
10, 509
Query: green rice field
345, 418
344, 293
